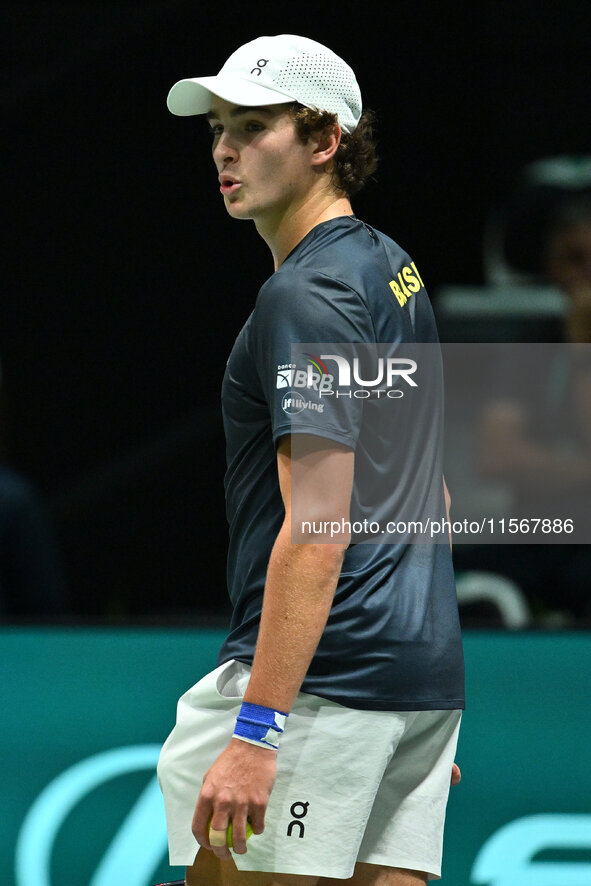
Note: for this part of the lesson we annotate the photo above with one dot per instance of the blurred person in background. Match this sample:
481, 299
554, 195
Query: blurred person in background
31, 584
567, 264
536, 431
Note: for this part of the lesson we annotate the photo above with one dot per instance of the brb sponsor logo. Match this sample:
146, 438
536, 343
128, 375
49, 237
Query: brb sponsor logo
315, 376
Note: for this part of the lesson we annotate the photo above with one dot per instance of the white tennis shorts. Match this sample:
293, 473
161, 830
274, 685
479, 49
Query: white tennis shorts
367, 786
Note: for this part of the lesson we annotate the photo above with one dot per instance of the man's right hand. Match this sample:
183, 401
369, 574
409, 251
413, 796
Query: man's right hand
236, 787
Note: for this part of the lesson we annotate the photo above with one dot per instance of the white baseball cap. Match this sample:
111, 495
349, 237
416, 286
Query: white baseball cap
276, 70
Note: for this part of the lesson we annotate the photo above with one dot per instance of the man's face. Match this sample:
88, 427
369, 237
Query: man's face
265, 170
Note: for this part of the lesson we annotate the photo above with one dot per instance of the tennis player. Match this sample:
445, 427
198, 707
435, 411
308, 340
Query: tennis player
330, 725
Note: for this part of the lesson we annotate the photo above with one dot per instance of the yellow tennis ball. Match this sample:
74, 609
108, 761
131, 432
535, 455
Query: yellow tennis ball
249, 832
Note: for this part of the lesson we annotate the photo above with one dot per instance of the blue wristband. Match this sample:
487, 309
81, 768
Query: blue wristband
259, 725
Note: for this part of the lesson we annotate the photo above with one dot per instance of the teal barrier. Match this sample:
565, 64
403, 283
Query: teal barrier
84, 712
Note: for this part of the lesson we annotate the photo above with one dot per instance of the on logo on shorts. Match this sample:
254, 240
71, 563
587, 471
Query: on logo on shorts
299, 810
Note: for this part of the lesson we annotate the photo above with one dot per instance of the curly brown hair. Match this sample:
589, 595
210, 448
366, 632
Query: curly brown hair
355, 160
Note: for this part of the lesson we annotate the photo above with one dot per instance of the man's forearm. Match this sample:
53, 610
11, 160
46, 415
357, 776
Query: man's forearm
299, 590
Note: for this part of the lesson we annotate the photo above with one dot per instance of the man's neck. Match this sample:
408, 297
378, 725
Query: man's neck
283, 236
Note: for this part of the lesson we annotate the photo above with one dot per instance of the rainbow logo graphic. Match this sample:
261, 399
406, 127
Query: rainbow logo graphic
317, 362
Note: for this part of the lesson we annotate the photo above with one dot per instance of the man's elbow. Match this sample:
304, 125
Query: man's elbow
330, 533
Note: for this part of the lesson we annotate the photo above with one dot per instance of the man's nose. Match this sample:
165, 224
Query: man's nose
225, 150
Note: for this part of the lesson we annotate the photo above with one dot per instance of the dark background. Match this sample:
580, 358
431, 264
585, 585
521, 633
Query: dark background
125, 282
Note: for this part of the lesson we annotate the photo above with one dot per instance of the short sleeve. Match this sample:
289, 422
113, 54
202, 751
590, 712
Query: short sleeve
308, 308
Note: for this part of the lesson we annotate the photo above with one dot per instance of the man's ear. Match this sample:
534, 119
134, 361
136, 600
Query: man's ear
326, 142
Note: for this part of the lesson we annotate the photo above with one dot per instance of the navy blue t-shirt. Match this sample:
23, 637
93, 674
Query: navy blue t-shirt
392, 640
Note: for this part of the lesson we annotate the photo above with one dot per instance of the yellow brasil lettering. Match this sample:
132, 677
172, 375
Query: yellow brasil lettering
406, 284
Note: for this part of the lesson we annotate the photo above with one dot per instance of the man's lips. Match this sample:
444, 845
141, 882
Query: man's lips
229, 187
228, 184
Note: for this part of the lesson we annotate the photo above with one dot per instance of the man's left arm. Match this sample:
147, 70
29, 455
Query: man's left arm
299, 591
